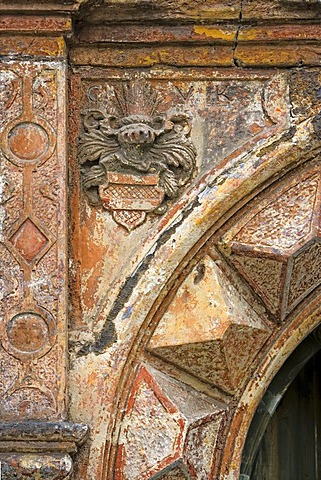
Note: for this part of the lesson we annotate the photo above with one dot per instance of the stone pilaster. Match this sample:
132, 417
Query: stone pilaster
35, 440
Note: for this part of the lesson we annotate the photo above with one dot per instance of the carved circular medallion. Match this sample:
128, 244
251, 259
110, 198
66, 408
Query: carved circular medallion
27, 332
28, 141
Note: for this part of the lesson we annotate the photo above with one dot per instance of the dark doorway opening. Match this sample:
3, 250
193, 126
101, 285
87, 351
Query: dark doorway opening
284, 440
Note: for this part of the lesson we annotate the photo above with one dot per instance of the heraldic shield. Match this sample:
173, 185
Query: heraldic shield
129, 197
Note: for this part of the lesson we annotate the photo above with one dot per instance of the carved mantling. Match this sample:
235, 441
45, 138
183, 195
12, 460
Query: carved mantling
135, 157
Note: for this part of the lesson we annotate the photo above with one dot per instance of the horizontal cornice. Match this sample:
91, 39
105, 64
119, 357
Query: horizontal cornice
39, 6
147, 33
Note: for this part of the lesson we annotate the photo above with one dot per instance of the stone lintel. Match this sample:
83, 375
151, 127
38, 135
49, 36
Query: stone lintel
38, 436
284, 43
17, 46
293, 54
21, 466
210, 34
188, 11
39, 448
34, 32
35, 23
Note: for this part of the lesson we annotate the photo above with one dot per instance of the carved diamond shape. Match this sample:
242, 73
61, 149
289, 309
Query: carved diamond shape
276, 246
208, 329
29, 240
161, 434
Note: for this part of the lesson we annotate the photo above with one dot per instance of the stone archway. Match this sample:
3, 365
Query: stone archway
203, 380
174, 115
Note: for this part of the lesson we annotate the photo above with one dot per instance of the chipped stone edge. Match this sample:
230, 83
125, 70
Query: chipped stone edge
37, 436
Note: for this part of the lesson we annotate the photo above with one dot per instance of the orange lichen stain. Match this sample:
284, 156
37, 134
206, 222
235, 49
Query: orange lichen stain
149, 59
199, 221
92, 378
68, 24
215, 33
61, 44
92, 254
52, 46
91, 257
22, 44
250, 34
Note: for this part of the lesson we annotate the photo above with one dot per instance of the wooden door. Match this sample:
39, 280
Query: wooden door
290, 448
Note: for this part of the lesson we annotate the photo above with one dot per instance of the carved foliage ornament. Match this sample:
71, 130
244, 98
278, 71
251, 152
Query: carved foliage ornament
134, 158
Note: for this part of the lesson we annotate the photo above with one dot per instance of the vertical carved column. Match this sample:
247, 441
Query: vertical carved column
35, 439
33, 243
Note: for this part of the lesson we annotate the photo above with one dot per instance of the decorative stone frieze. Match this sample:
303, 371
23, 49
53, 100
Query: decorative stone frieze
33, 240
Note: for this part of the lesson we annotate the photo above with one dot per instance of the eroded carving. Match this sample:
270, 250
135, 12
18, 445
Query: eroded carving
48, 467
276, 246
163, 418
137, 156
31, 223
28, 141
29, 240
29, 334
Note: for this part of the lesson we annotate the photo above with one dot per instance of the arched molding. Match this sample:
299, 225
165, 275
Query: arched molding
273, 397
280, 350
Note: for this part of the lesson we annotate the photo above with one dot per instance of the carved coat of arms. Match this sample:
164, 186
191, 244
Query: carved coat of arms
134, 158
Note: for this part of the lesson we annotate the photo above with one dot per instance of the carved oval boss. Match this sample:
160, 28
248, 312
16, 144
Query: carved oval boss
134, 158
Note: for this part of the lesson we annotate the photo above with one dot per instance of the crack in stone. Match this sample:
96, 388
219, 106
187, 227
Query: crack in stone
236, 39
